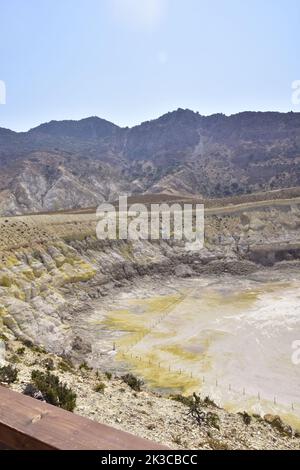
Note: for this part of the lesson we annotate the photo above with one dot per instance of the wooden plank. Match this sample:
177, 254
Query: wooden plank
26, 423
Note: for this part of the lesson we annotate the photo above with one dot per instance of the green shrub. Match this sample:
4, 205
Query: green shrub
8, 374
84, 366
246, 418
100, 387
21, 351
257, 417
209, 402
38, 349
29, 344
133, 382
108, 375
66, 365
195, 409
14, 359
53, 390
48, 363
187, 401
212, 419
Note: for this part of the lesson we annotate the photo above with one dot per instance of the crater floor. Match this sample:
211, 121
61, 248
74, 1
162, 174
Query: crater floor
227, 337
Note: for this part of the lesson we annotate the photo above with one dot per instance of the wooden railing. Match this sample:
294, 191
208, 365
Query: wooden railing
26, 423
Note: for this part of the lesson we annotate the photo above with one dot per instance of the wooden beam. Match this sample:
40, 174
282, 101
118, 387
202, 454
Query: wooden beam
26, 423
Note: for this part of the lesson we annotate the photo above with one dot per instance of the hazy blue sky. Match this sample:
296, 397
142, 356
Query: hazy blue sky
133, 60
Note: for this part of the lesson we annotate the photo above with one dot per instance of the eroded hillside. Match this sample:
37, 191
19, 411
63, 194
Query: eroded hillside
71, 164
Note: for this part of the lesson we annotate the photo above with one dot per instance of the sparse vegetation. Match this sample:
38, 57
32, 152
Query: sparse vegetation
100, 387
187, 401
53, 390
48, 363
133, 382
177, 440
209, 402
257, 417
21, 351
108, 375
65, 365
8, 374
29, 344
212, 419
195, 410
85, 366
246, 418
14, 359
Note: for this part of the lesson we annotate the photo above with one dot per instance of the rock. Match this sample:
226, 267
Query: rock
182, 270
256, 224
31, 391
81, 346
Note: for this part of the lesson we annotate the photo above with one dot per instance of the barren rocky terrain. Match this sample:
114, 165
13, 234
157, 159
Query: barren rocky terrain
151, 415
53, 265
72, 164
54, 272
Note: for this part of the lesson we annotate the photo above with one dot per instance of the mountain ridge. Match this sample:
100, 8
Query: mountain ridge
163, 116
68, 164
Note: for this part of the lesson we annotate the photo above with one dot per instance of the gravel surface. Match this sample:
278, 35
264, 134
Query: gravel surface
149, 415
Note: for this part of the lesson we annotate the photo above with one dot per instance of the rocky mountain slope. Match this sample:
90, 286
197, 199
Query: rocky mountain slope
150, 415
71, 164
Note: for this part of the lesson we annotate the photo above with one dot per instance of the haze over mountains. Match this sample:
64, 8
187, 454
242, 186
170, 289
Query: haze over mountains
69, 164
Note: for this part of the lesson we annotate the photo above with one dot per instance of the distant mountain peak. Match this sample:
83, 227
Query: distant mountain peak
87, 128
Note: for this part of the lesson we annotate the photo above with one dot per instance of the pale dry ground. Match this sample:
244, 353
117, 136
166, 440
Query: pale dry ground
228, 338
150, 415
